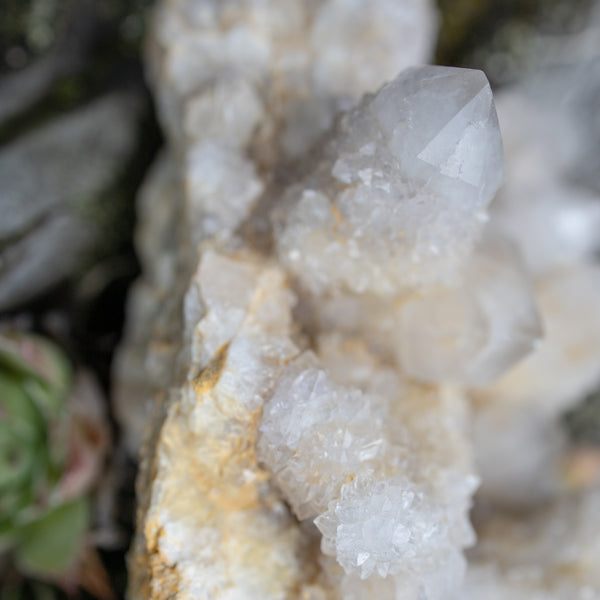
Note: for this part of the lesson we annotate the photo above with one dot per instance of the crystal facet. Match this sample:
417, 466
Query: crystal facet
402, 189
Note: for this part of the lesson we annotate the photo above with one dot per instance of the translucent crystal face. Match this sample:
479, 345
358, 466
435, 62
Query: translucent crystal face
385, 234
440, 125
380, 527
367, 465
476, 331
402, 188
316, 434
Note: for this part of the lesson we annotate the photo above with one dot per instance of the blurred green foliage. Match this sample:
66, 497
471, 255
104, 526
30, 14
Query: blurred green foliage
40, 527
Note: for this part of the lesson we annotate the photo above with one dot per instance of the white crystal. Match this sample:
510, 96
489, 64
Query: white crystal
450, 148
229, 112
221, 184
537, 438
569, 303
433, 167
551, 553
381, 273
401, 30
316, 434
384, 527
239, 50
370, 466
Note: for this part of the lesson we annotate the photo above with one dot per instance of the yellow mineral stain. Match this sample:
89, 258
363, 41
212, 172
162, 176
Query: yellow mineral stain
163, 578
337, 215
206, 474
210, 375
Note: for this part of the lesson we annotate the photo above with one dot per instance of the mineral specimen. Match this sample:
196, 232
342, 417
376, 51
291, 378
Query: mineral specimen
330, 307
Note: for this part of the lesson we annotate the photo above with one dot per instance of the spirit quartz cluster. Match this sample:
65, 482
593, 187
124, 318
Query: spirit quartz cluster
325, 345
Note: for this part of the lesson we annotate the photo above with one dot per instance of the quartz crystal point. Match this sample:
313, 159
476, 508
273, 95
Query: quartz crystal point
398, 198
391, 220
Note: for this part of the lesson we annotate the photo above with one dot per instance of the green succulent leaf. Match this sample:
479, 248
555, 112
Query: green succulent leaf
42, 591
22, 442
34, 355
34, 383
6, 535
40, 366
48, 546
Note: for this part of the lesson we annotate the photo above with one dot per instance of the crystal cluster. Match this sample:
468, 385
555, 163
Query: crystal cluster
347, 457
392, 219
340, 333
399, 199
359, 225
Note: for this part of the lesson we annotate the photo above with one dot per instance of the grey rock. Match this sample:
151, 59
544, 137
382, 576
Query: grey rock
20, 90
51, 200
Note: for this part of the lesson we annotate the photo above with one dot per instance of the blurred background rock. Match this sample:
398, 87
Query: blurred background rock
78, 132
506, 38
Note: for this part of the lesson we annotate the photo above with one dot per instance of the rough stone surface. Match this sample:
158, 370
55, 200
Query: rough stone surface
320, 327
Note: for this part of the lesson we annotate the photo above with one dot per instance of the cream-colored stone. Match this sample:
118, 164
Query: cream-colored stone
294, 349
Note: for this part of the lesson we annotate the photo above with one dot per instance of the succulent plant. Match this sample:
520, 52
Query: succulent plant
42, 522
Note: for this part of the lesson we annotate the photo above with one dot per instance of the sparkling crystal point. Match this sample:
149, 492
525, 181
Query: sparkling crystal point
404, 186
455, 141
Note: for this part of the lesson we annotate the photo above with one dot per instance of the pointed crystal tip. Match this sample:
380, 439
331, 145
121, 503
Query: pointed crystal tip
442, 127
400, 195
